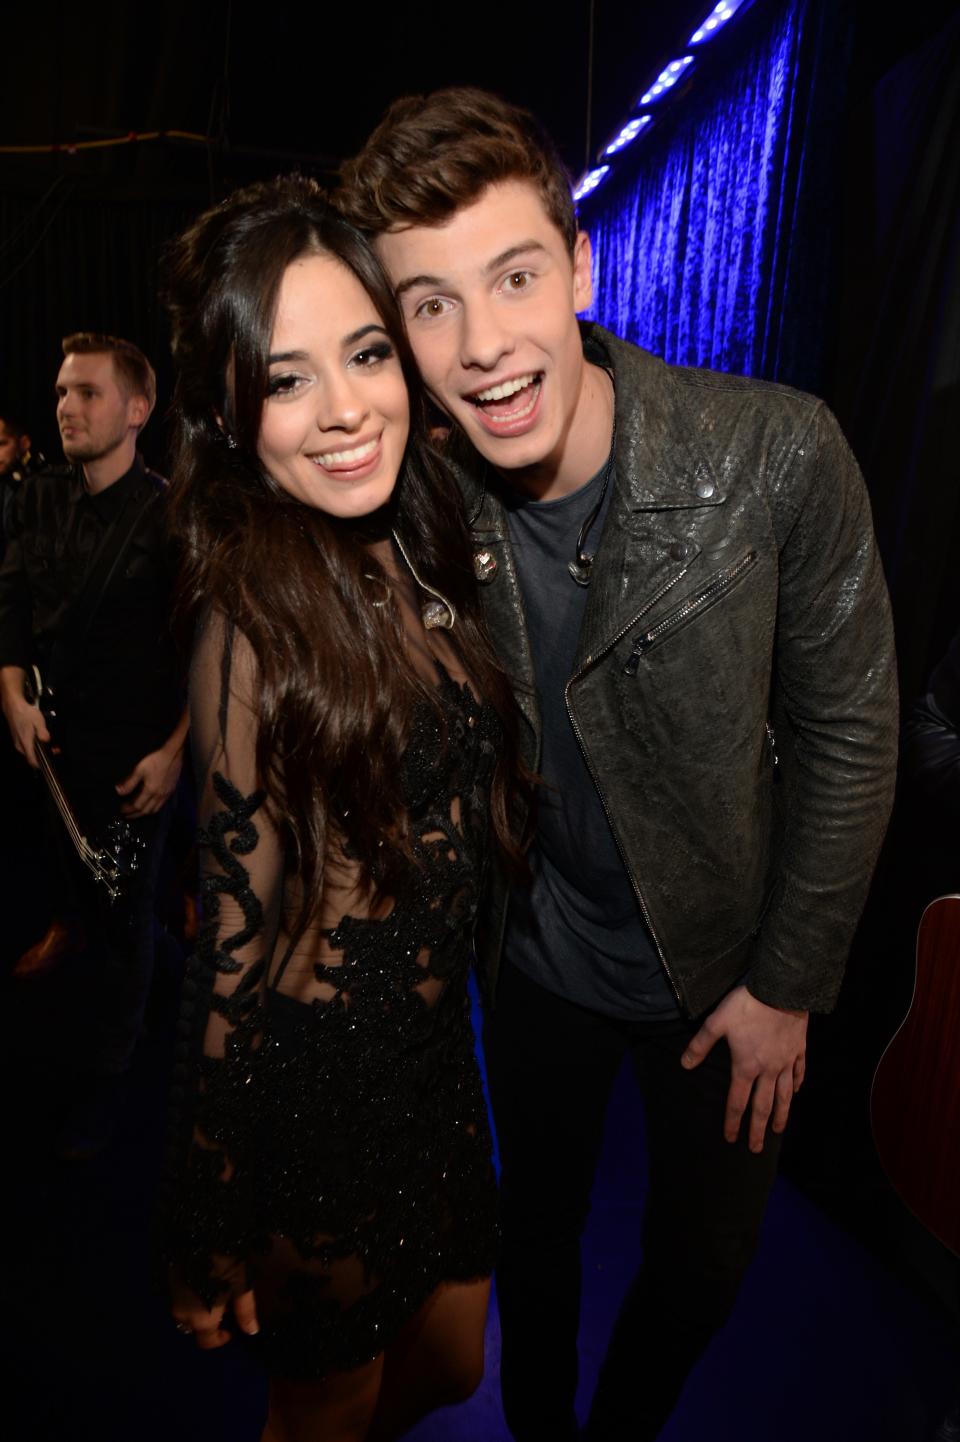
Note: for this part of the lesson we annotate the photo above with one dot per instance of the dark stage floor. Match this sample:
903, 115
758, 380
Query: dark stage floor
825, 1343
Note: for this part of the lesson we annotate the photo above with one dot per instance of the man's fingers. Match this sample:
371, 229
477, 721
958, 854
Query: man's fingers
764, 1096
737, 1098
698, 1046
207, 1338
204, 1326
245, 1311
781, 1108
799, 1071
129, 783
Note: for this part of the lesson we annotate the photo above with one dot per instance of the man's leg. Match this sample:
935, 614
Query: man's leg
120, 954
706, 1203
551, 1067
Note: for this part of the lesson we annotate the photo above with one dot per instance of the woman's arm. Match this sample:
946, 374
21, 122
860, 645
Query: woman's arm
210, 1220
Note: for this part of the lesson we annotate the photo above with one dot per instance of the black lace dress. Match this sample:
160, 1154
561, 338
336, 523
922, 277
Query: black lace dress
331, 1141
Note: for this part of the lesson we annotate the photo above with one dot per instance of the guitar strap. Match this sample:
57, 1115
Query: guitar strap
67, 652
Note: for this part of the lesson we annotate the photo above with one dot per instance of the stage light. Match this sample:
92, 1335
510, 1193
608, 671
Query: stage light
667, 78
590, 181
629, 132
717, 18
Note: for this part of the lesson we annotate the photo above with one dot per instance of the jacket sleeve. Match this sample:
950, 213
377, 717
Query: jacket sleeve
931, 735
834, 708
209, 1222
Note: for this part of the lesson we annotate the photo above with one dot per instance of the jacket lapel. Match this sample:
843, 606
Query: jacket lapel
661, 475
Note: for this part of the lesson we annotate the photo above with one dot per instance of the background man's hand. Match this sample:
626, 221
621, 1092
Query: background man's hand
26, 725
767, 1054
156, 775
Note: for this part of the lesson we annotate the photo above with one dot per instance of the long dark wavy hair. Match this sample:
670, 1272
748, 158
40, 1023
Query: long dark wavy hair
335, 688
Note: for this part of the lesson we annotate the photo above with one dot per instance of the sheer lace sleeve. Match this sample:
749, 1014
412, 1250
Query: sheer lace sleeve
209, 1224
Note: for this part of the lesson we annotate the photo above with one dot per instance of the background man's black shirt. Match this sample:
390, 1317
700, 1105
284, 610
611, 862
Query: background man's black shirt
120, 698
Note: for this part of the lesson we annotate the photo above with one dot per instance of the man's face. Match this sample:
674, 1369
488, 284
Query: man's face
94, 412
12, 448
490, 301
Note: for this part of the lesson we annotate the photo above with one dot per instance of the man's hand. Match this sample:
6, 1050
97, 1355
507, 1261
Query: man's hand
25, 720
767, 1053
156, 775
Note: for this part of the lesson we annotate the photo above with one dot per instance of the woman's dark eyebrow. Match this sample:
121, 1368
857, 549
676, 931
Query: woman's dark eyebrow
356, 335
351, 339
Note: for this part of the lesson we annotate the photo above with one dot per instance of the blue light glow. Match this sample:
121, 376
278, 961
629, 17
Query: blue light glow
715, 21
590, 181
667, 78
629, 132
693, 255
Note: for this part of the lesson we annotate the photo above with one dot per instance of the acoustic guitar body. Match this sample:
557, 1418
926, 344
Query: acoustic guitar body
915, 1101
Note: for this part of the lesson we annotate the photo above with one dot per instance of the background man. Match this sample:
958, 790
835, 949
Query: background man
682, 582
16, 461
85, 594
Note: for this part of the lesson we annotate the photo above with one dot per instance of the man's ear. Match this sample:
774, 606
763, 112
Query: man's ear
582, 272
24, 446
138, 411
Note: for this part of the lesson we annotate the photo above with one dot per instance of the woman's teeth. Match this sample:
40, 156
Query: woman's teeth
347, 458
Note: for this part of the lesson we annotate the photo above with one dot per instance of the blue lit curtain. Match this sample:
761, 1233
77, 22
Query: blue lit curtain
717, 251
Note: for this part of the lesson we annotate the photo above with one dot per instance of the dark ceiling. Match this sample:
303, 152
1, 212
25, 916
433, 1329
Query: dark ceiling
311, 81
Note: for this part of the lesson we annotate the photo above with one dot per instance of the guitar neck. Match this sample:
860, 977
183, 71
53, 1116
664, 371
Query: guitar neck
83, 847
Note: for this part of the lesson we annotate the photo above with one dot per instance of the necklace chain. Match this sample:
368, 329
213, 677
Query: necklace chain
436, 613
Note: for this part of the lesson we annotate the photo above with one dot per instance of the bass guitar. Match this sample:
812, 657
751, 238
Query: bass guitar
115, 860
915, 1099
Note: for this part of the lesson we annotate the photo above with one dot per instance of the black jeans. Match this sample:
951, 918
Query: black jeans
552, 1065
120, 936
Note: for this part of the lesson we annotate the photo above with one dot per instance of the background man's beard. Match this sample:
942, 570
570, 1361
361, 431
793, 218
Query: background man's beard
85, 451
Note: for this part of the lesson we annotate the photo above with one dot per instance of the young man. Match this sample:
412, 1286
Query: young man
681, 578
85, 595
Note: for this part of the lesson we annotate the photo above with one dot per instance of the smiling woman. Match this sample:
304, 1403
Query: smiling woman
337, 416
330, 1176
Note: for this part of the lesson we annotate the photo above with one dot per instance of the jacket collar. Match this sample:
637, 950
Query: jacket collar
661, 464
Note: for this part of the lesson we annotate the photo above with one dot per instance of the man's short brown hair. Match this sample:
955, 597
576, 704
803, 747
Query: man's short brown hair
135, 374
431, 155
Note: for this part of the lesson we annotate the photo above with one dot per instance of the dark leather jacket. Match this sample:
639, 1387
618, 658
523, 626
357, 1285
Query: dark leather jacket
735, 689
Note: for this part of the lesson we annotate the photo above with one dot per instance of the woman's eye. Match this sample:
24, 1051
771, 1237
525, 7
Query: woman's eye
283, 385
372, 355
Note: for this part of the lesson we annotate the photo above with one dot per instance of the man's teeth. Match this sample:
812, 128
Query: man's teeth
347, 458
509, 388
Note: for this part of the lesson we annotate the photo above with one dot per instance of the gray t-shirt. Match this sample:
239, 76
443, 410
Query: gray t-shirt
577, 930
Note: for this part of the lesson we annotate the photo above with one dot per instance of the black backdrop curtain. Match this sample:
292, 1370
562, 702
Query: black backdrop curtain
898, 382
80, 257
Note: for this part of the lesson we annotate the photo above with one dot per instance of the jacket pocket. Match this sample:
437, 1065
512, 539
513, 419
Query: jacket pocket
718, 585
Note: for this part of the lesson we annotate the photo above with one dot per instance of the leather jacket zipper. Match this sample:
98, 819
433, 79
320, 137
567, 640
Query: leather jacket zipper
623, 856
715, 587
588, 661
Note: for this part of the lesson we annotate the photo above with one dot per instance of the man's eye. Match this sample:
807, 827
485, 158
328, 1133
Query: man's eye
431, 307
518, 280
